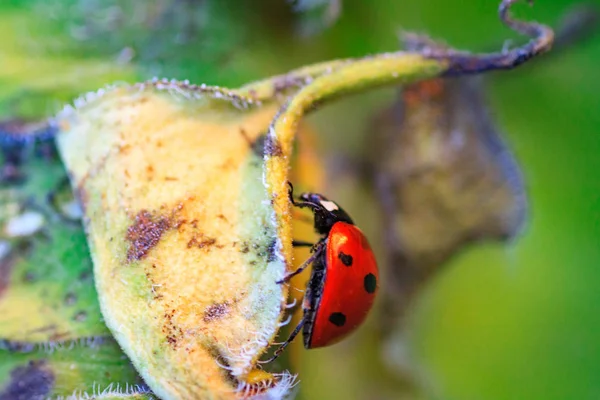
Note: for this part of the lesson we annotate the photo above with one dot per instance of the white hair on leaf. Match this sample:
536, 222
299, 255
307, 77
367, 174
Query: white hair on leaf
278, 388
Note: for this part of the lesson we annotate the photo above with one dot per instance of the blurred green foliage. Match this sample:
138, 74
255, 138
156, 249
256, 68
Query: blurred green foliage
515, 321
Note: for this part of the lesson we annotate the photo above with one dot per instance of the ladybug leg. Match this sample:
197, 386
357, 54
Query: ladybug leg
301, 243
286, 343
318, 248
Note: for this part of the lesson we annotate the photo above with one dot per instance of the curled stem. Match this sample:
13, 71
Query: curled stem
462, 63
328, 81
455, 62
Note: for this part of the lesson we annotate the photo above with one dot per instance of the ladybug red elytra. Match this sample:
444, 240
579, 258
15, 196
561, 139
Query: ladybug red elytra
344, 277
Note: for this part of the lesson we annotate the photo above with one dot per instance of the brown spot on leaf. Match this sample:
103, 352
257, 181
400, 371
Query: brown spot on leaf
150, 172
431, 90
272, 147
80, 316
145, 233
124, 149
70, 299
216, 311
30, 382
171, 330
202, 242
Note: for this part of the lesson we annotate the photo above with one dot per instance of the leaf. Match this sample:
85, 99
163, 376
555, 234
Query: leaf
161, 226
445, 173
444, 179
194, 248
34, 80
74, 371
46, 287
180, 231
53, 341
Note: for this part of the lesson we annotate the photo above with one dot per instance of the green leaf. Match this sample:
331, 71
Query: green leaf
53, 341
37, 75
77, 369
48, 292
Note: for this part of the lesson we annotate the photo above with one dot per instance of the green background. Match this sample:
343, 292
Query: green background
519, 321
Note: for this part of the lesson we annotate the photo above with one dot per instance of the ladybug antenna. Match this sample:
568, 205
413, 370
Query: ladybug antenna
301, 204
286, 343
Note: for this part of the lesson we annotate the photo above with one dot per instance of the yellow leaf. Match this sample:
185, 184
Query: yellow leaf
180, 230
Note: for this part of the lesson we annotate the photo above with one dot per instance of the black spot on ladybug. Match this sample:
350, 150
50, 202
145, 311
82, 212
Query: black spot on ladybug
32, 381
273, 147
370, 283
346, 259
337, 318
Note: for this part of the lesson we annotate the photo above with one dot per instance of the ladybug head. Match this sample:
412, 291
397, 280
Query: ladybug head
326, 212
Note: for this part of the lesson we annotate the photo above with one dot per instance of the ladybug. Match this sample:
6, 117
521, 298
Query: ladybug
343, 280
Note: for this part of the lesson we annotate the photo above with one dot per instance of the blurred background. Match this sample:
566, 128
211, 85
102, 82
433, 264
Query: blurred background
497, 319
